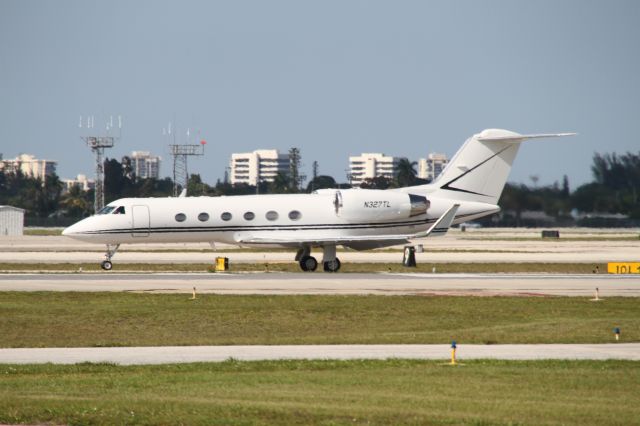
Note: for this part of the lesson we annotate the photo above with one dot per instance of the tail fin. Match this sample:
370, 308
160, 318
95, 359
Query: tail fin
479, 170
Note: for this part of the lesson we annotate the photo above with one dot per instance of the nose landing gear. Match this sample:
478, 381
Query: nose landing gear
111, 251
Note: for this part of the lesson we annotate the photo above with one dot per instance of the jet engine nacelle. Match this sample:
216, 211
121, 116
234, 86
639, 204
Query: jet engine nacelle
378, 205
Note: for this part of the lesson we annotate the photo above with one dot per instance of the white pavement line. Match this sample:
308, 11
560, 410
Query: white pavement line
189, 354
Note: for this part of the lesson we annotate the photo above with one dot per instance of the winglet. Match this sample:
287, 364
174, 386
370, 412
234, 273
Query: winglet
441, 226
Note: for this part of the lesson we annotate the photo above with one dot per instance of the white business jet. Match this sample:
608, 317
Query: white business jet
468, 188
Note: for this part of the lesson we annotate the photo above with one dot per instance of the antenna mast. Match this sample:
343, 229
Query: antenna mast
98, 144
180, 153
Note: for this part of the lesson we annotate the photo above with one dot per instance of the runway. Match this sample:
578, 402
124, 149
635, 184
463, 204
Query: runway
332, 284
187, 354
480, 246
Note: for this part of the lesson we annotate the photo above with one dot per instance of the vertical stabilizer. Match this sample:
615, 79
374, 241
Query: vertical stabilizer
479, 170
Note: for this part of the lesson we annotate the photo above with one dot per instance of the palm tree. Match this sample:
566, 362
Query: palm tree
406, 172
280, 184
76, 202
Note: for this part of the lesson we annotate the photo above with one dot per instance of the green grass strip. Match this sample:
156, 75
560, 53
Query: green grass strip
325, 392
54, 319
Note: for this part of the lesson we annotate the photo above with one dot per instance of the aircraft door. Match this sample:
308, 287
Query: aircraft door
140, 222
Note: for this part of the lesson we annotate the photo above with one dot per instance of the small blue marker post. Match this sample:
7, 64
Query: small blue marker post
617, 332
453, 352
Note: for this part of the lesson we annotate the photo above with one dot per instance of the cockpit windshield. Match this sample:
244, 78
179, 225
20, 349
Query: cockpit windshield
106, 210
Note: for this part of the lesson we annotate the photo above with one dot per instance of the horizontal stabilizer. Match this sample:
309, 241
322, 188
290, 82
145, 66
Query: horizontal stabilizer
520, 138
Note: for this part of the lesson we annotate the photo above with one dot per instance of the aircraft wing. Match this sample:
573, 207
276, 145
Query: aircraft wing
439, 228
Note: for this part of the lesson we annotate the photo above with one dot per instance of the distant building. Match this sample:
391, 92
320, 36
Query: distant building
429, 168
80, 181
29, 165
258, 166
11, 221
145, 165
370, 165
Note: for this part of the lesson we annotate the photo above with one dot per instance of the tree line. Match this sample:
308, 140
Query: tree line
614, 190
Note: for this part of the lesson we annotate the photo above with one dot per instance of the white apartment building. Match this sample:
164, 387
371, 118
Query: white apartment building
145, 165
258, 166
370, 165
429, 168
29, 165
81, 181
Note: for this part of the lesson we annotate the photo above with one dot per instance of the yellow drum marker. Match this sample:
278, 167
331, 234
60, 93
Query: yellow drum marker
623, 267
194, 294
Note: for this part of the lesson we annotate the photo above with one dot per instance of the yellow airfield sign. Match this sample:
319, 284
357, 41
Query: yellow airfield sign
623, 267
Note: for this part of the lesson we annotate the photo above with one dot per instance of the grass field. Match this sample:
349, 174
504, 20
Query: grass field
325, 392
562, 268
42, 231
56, 319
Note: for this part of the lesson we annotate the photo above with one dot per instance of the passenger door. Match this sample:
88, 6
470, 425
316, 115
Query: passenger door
140, 222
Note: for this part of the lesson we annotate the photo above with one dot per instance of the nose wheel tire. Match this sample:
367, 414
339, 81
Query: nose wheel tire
332, 265
106, 265
308, 264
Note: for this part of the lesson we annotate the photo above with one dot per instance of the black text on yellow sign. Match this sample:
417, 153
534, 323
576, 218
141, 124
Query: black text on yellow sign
623, 267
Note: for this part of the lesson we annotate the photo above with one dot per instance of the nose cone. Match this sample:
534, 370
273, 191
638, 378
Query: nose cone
70, 230
77, 230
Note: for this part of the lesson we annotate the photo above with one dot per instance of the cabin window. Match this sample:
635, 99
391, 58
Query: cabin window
295, 215
106, 210
226, 216
119, 210
203, 217
249, 216
181, 217
271, 215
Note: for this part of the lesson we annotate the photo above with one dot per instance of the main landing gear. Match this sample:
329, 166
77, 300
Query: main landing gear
309, 263
332, 265
111, 250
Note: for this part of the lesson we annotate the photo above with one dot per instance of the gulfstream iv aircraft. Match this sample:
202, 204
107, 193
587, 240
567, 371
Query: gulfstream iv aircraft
468, 188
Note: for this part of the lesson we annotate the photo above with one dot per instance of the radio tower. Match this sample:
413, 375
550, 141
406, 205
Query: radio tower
98, 144
180, 153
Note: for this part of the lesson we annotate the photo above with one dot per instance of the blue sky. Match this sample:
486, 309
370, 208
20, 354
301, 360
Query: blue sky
334, 78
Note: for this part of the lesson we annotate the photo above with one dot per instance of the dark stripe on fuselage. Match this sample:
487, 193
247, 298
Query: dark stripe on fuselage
312, 227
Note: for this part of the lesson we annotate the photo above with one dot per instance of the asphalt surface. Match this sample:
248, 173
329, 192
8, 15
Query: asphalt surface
187, 354
489, 245
323, 283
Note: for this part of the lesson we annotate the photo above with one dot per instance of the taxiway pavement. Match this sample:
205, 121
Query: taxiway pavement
321, 283
187, 354
499, 245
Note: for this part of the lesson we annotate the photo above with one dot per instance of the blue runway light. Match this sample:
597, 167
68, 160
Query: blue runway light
453, 344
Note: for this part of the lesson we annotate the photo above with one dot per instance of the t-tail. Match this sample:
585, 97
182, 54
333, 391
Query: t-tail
479, 170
